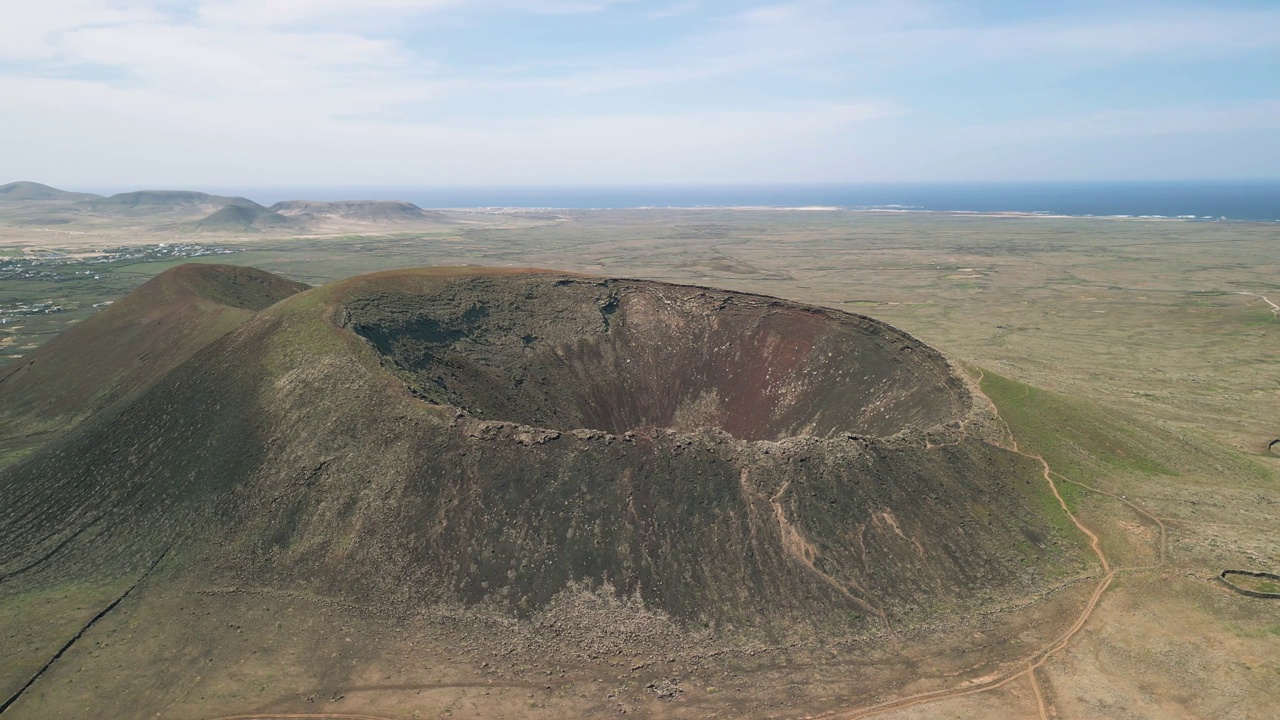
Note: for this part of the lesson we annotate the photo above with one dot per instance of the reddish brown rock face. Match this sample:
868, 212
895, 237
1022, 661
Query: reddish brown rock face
618, 355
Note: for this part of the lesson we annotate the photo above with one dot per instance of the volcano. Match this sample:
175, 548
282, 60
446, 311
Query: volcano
505, 434
497, 441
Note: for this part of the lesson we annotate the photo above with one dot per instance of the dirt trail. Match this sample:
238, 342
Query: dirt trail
291, 716
1035, 687
806, 554
1164, 531
1275, 309
1094, 542
1028, 667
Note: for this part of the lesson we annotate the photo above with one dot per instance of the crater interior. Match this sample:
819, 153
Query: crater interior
616, 355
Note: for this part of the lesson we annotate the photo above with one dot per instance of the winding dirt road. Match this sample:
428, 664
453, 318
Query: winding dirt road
309, 716
1028, 667
1275, 309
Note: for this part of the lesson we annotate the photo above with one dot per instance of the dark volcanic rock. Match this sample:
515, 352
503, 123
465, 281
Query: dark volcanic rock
618, 355
504, 439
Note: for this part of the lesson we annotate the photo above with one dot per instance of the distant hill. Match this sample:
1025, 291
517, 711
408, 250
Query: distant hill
148, 202
189, 210
24, 190
242, 218
127, 346
368, 210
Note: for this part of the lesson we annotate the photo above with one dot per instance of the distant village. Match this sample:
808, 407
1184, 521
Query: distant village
50, 265
57, 267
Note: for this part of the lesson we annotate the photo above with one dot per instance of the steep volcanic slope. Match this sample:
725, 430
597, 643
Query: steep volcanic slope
131, 344
427, 438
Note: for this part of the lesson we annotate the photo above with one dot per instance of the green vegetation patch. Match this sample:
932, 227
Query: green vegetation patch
1086, 442
304, 335
1073, 495
1077, 439
12, 456
1253, 583
247, 258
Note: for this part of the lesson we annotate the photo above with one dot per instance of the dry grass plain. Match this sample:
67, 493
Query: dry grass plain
1156, 339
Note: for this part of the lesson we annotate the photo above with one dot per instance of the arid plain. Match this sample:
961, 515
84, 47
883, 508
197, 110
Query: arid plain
1139, 360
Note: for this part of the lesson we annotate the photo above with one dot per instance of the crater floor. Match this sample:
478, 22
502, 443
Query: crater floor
616, 355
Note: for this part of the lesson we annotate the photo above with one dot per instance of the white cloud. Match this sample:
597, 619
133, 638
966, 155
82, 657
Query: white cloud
204, 142
30, 30
674, 10
1105, 39
195, 60
258, 13
230, 91
928, 36
1181, 141
621, 78
1130, 122
770, 13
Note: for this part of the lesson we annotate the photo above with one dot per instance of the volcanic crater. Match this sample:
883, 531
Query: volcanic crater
504, 440
621, 355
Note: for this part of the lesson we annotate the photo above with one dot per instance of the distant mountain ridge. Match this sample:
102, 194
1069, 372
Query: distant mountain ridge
34, 204
162, 200
371, 210
25, 190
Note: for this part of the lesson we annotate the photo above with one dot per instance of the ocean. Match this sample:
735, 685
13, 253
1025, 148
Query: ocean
1258, 200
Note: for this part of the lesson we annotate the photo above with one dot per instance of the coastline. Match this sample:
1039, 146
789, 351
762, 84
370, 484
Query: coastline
1011, 214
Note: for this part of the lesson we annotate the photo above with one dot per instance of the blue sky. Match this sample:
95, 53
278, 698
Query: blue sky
436, 92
